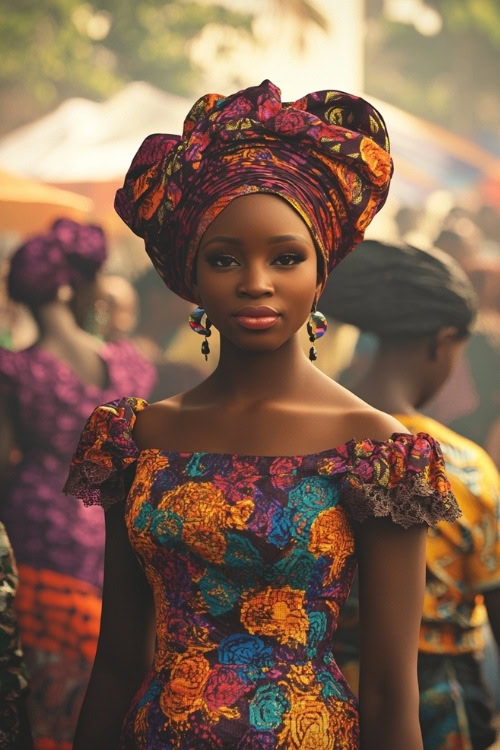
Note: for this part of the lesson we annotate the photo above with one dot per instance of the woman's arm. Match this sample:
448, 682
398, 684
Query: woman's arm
492, 602
126, 641
391, 592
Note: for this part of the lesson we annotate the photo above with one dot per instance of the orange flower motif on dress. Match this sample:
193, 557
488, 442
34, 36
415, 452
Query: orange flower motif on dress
199, 503
210, 545
278, 613
205, 515
331, 535
141, 723
306, 725
183, 693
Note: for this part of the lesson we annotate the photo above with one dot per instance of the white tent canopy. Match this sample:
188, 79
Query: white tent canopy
85, 141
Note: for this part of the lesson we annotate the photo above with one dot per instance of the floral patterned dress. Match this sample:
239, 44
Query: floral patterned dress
250, 559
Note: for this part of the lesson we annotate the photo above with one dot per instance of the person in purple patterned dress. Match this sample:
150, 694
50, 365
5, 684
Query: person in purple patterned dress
46, 393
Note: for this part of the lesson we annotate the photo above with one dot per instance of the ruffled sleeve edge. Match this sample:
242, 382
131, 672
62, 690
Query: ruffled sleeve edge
403, 479
98, 472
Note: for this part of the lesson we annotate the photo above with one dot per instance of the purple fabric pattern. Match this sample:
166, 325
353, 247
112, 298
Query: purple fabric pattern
70, 253
59, 546
51, 406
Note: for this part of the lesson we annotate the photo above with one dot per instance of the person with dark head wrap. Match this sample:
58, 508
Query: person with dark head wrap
421, 307
46, 391
240, 511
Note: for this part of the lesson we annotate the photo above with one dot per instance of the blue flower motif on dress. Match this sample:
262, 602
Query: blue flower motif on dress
311, 496
241, 648
280, 527
218, 592
143, 518
241, 553
295, 569
330, 688
267, 707
317, 631
166, 526
198, 465
153, 691
203, 464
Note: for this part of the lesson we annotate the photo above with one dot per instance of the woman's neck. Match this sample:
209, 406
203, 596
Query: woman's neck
57, 323
247, 377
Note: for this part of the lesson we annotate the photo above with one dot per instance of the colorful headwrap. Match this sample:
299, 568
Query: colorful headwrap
69, 253
326, 154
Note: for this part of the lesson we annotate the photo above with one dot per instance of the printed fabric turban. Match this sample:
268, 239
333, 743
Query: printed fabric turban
326, 154
69, 253
397, 291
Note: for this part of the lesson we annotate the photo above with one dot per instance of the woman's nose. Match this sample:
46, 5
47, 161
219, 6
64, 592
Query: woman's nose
256, 281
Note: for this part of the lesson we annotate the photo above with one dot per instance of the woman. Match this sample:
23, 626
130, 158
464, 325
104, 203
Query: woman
422, 307
47, 391
237, 505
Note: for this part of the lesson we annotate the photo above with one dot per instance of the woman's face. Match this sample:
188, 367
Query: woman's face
257, 272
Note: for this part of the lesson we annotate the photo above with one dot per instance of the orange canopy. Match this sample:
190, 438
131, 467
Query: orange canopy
29, 206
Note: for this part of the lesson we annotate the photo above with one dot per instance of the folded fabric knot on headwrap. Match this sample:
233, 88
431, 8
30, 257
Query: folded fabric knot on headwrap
69, 253
326, 154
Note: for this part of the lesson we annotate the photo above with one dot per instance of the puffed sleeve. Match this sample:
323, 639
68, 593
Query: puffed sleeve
403, 478
99, 474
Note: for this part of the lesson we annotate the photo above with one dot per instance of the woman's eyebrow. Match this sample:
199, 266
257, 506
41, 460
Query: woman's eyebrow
227, 240
287, 238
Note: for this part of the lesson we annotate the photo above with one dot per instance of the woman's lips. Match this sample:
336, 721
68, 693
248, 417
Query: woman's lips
257, 318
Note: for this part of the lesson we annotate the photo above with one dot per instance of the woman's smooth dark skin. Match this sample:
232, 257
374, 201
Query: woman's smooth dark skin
266, 398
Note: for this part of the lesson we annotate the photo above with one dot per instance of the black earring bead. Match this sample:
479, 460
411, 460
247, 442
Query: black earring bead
205, 349
312, 353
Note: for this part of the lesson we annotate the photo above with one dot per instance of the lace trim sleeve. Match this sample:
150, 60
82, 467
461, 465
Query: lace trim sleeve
98, 472
403, 478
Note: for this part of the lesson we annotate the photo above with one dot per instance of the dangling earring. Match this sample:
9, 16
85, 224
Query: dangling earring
316, 328
195, 321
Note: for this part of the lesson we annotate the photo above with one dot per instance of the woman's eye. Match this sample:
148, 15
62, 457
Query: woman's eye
222, 261
289, 259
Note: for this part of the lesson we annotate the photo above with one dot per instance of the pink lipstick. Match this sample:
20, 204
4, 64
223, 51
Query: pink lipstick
257, 318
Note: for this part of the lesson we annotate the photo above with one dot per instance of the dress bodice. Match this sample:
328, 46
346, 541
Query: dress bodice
250, 559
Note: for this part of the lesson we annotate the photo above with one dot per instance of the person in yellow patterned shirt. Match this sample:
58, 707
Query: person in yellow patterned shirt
421, 308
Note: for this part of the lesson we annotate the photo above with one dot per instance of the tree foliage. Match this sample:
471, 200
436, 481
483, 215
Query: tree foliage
52, 49
451, 77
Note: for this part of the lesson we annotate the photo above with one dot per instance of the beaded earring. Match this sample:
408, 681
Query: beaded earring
316, 328
195, 321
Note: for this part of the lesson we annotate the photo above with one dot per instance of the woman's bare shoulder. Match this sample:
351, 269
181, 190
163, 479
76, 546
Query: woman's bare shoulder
156, 421
364, 421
